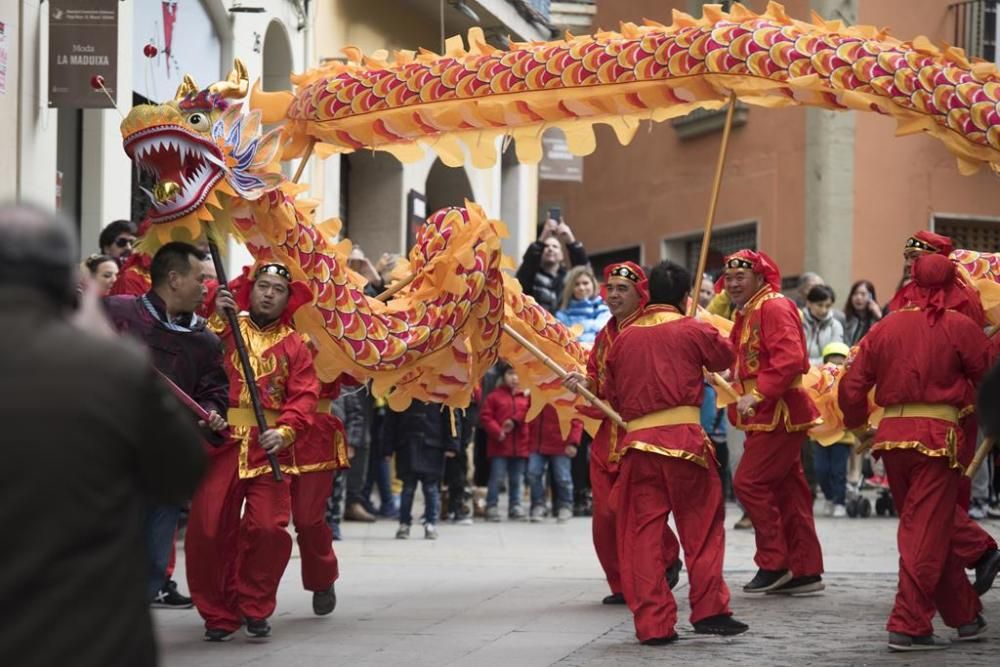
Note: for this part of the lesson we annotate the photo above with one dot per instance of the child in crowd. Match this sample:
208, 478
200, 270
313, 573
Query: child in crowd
830, 461
508, 442
422, 438
550, 448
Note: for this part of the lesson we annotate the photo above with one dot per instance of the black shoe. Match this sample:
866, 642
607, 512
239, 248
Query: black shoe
258, 628
168, 597
900, 642
324, 602
986, 571
673, 574
799, 586
972, 632
723, 624
766, 580
659, 641
614, 598
216, 635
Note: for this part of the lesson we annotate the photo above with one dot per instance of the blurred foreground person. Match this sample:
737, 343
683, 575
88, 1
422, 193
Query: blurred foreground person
83, 453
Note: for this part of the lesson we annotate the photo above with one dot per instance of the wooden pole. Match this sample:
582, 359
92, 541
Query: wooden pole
985, 447
706, 238
241, 350
395, 287
304, 161
558, 370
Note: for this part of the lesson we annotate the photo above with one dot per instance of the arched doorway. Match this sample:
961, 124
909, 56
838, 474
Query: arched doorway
447, 186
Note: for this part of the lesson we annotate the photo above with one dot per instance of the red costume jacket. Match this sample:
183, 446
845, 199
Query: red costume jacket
133, 279
503, 404
323, 447
771, 359
546, 436
606, 443
287, 385
923, 368
656, 383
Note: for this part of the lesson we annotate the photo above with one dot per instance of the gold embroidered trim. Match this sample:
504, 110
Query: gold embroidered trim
672, 453
949, 451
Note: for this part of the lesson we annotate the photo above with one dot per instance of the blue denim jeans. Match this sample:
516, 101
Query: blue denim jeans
512, 468
562, 476
830, 464
159, 526
432, 498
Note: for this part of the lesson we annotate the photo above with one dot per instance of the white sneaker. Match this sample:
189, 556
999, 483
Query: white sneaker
977, 512
828, 508
564, 514
839, 511
403, 533
537, 513
430, 531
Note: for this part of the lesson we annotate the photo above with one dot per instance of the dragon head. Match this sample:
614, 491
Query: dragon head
199, 145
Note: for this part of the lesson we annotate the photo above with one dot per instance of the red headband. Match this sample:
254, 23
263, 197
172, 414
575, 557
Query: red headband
299, 293
924, 241
758, 262
631, 272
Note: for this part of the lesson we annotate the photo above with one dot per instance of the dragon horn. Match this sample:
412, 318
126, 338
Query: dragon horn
187, 87
236, 85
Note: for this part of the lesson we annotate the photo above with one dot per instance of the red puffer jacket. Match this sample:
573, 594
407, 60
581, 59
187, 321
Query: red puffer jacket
503, 404
547, 438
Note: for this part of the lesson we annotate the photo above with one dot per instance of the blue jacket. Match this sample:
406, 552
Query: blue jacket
591, 313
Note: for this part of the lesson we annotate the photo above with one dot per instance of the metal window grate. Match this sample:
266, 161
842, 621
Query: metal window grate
724, 243
979, 235
976, 27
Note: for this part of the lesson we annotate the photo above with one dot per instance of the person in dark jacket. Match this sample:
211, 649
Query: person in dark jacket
542, 273
164, 320
422, 437
84, 450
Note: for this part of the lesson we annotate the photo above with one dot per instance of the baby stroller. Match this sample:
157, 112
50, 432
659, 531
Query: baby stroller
872, 479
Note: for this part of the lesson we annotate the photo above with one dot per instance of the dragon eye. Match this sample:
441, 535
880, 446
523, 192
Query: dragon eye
199, 121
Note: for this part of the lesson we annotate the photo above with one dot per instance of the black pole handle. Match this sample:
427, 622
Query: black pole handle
241, 349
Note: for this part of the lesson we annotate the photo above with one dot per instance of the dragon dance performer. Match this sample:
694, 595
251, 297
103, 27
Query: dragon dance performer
655, 382
775, 411
233, 565
918, 440
625, 290
163, 318
321, 452
976, 548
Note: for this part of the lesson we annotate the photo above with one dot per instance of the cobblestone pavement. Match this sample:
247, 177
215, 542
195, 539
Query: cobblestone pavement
520, 594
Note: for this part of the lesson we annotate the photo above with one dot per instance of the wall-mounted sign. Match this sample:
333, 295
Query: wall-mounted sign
557, 163
83, 44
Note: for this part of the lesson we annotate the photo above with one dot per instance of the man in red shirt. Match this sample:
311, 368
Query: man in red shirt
775, 411
626, 291
234, 564
918, 439
974, 546
655, 372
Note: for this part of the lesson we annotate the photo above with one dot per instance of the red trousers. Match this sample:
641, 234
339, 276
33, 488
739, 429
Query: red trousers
602, 478
970, 431
650, 487
319, 562
931, 576
969, 540
772, 488
234, 565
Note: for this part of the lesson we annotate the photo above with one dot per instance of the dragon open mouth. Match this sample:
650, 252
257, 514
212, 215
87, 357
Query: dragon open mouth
186, 168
